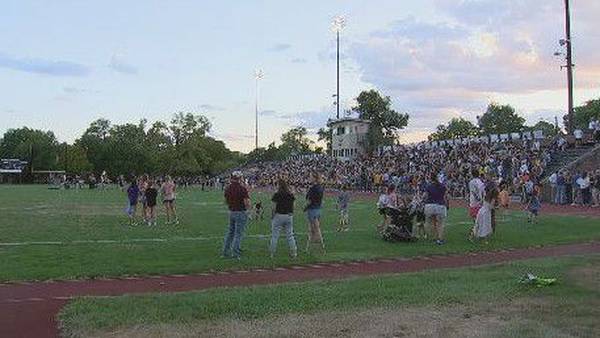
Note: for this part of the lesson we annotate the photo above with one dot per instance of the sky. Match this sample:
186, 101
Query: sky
65, 63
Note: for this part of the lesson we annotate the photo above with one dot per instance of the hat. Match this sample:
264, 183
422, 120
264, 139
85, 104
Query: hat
237, 174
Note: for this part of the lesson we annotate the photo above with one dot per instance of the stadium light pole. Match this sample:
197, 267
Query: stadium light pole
337, 25
258, 75
569, 65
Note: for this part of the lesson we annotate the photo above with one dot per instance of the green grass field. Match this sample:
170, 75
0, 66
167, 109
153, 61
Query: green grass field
52, 234
487, 301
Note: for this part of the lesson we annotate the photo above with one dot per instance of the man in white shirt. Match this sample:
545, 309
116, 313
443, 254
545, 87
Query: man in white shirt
476, 194
578, 133
553, 179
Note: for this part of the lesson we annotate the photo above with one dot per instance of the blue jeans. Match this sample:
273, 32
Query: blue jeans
233, 237
559, 198
286, 223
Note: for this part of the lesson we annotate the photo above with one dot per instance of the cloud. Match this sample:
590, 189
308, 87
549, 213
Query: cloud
210, 107
298, 60
119, 65
43, 66
76, 91
477, 50
232, 137
280, 47
269, 113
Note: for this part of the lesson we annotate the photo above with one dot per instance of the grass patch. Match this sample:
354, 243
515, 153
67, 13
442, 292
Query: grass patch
36, 214
565, 306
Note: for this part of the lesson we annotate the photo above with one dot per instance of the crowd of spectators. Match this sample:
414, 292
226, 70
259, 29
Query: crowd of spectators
513, 162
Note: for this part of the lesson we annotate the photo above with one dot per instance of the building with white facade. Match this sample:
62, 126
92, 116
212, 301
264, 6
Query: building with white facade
349, 137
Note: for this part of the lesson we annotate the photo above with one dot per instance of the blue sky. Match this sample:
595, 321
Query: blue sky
66, 63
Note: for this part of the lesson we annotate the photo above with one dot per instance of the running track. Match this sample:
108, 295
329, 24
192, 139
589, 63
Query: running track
30, 309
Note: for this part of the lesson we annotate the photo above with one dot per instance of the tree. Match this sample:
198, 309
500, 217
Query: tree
582, 115
501, 119
295, 141
547, 128
39, 148
73, 159
456, 128
183, 126
385, 122
95, 142
326, 135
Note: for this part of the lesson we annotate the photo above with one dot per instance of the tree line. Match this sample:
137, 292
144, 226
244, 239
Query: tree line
180, 147
183, 147
503, 119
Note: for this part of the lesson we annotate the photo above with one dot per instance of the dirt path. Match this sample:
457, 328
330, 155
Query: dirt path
29, 309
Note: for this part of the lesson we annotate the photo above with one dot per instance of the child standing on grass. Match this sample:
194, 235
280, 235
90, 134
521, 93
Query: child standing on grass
133, 194
343, 201
483, 221
151, 196
534, 205
417, 209
168, 193
504, 199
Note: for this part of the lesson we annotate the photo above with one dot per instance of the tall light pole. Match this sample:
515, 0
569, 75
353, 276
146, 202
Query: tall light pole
258, 75
337, 25
569, 65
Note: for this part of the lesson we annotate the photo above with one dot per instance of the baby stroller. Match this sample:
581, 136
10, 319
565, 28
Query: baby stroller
400, 227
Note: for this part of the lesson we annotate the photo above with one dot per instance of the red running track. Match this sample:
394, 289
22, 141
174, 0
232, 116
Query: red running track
30, 309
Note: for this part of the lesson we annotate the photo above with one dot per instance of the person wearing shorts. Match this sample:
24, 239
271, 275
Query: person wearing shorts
168, 193
151, 197
314, 197
435, 208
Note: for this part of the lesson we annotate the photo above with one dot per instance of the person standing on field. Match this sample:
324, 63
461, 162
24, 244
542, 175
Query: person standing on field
476, 194
313, 212
283, 211
151, 195
168, 193
238, 202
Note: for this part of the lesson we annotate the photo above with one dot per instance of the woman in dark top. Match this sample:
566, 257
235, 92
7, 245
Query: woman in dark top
283, 210
435, 207
314, 197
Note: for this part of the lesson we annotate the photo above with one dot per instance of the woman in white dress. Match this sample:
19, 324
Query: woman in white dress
483, 222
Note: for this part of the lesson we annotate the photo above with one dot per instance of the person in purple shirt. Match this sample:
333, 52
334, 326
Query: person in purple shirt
435, 207
133, 195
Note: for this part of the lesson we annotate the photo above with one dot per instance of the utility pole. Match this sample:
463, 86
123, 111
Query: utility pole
569, 66
258, 76
338, 76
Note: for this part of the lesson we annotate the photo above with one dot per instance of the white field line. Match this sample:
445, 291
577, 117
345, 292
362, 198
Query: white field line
146, 240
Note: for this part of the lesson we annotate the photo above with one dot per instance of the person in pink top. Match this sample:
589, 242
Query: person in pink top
168, 193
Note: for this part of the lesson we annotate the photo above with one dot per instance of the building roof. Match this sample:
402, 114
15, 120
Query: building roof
346, 119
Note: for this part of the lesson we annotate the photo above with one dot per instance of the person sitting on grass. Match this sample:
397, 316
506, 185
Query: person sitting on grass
151, 196
343, 201
133, 194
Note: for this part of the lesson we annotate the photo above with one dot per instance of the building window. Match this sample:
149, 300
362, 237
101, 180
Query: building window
340, 131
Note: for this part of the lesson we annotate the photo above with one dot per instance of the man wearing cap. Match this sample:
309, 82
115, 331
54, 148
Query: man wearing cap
238, 201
